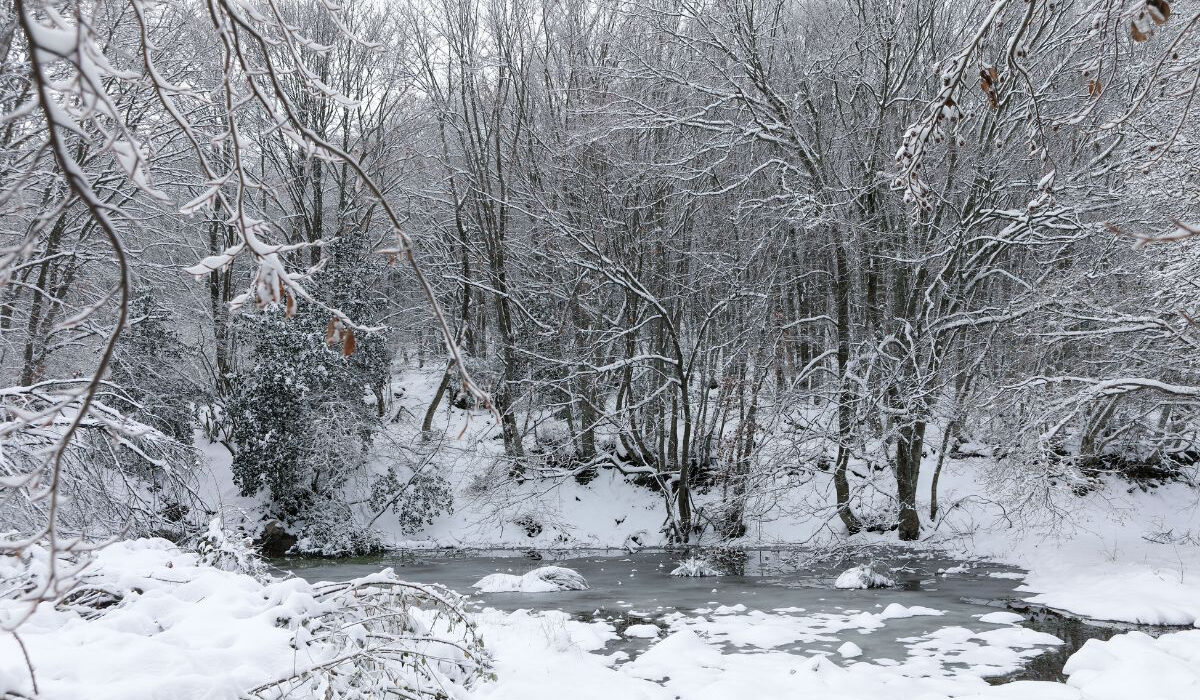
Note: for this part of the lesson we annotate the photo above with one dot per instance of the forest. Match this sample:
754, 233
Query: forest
315, 280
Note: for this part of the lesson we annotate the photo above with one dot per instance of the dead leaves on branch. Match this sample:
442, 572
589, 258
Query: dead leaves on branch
988, 77
1154, 13
338, 333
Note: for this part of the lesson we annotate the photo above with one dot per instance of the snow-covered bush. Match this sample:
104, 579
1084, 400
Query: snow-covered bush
529, 524
147, 619
330, 529
299, 428
546, 579
229, 551
296, 413
695, 567
862, 576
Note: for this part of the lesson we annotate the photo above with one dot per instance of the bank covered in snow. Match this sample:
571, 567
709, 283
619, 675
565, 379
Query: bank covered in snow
150, 620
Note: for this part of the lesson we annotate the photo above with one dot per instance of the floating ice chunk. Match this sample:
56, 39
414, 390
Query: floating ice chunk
849, 650
895, 610
862, 576
642, 631
546, 579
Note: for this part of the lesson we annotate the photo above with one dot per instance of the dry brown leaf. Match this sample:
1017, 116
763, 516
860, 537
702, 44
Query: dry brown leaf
1159, 10
987, 83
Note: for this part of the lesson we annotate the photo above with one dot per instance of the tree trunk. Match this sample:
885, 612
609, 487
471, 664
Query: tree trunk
841, 483
937, 471
909, 444
427, 423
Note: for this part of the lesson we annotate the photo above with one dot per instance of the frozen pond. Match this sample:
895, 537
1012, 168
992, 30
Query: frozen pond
779, 601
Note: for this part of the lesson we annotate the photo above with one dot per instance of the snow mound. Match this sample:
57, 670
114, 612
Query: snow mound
546, 579
849, 650
862, 576
642, 631
695, 567
1136, 665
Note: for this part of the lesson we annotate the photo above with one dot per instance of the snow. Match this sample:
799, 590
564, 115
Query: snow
1140, 593
1104, 561
862, 576
1135, 665
895, 611
179, 628
543, 656
188, 630
741, 627
545, 579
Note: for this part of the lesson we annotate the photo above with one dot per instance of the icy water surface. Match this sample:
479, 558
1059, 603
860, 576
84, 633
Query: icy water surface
784, 592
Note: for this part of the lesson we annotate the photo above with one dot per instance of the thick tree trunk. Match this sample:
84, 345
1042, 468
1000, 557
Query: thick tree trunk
908, 468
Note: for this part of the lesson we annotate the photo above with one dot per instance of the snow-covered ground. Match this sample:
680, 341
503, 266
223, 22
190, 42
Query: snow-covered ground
149, 620
1117, 553
182, 629
548, 656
